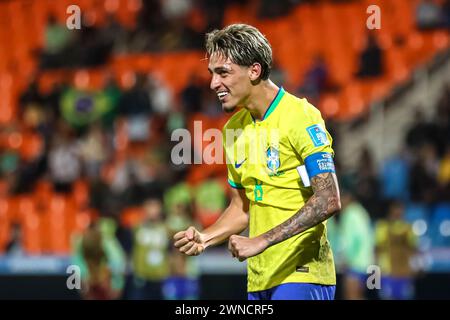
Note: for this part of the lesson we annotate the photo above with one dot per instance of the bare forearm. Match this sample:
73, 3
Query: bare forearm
232, 221
322, 205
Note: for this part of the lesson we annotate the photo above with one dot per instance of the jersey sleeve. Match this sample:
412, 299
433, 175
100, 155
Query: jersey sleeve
234, 177
310, 139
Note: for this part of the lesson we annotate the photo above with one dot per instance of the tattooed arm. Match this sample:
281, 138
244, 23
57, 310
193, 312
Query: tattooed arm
323, 204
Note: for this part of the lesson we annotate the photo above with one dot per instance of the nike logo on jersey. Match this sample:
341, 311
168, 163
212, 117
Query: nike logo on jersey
238, 165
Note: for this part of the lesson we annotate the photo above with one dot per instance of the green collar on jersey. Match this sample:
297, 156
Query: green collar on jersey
273, 104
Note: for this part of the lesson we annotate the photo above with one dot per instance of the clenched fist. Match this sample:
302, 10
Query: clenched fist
243, 247
190, 241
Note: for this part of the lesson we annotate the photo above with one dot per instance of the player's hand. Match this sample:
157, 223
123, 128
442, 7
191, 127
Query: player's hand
190, 242
243, 247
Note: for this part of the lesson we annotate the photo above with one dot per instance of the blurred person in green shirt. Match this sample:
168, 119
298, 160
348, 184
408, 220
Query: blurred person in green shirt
351, 236
57, 36
101, 260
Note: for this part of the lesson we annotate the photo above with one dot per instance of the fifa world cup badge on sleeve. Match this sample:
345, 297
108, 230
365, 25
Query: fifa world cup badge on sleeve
317, 135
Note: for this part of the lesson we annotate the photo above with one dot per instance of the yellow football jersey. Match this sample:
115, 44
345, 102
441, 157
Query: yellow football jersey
272, 160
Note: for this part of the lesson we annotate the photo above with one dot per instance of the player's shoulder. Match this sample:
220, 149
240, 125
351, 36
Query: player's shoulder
300, 108
238, 120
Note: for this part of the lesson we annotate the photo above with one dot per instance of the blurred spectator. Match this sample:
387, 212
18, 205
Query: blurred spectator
175, 9
353, 245
173, 38
395, 177
135, 105
442, 121
367, 187
150, 16
101, 197
444, 175
113, 94
371, 59
91, 47
421, 132
64, 162
57, 39
57, 36
9, 162
160, 95
315, 80
209, 201
31, 95
274, 9
127, 181
32, 164
423, 173
214, 12
113, 34
429, 15
150, 253
396, 246
177, 196
446, 13
191, 96
93, 150
178, 33
53, 99
101, 260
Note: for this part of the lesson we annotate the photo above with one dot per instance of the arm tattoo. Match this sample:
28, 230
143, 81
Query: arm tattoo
322, 205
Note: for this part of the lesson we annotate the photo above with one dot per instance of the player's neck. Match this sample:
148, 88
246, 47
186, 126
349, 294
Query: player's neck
261, 98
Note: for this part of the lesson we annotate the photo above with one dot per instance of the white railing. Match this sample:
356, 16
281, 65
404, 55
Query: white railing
384, 132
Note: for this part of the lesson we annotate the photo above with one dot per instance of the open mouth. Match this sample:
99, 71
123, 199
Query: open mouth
222, 95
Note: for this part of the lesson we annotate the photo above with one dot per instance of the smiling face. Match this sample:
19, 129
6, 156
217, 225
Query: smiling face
231, 82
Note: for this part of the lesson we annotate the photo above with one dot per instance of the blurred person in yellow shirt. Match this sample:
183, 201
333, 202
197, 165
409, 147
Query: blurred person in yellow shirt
396, 246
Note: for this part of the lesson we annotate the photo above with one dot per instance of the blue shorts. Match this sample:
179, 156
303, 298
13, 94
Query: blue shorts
180, 288
295, 291
393, 288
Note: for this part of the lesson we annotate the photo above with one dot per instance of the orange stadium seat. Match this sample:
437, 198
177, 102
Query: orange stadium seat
80, 194
4, 224
32, 233
42, 193
395, 65
329, 105
56, 234
32, 146
7, 103
25, 206
132, 216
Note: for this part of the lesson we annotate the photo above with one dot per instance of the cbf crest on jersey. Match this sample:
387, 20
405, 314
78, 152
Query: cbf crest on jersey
273, 159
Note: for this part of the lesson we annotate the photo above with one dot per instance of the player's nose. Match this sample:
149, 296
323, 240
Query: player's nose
215, 83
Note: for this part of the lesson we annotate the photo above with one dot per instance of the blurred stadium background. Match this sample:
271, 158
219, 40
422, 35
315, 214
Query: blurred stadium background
86, 118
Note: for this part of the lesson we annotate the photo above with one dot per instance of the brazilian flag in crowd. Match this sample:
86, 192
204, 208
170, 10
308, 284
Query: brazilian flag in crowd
81, 108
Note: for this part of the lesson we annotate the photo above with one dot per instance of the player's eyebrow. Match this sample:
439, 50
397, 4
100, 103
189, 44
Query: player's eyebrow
219, 69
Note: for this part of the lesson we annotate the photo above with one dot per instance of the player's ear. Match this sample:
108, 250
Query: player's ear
254, 71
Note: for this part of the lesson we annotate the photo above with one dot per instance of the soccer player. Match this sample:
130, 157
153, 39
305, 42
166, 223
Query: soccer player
283, 199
